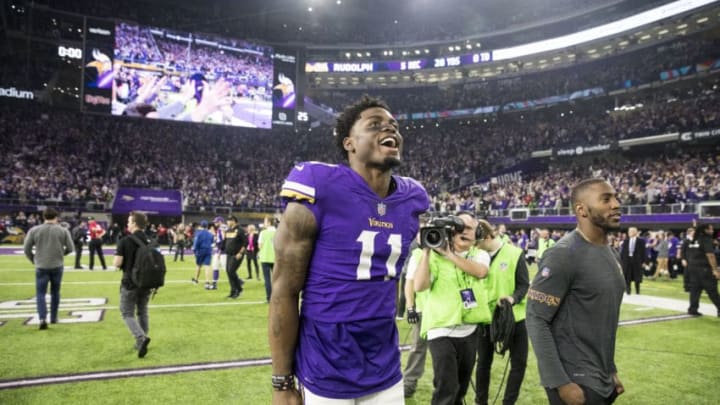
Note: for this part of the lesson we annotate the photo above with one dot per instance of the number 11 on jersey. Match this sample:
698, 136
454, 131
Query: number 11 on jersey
367, 239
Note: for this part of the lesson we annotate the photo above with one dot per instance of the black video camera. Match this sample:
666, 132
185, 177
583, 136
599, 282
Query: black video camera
440, 230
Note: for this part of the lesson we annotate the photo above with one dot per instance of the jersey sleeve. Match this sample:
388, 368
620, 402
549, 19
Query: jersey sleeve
481, 257
418, 194
550, 285
543, 301
300, 185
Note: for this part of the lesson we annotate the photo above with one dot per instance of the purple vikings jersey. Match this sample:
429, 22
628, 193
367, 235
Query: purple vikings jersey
348, 340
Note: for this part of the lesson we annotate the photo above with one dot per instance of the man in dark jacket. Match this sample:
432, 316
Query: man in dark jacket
702, 269
632, 255
235, 244
132, 298
79, 233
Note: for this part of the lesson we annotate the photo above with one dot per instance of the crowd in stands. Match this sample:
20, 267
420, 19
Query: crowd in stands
612, 73
69, 157
681, 177
66, 156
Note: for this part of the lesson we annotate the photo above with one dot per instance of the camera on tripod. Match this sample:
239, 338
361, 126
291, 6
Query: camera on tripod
438, 233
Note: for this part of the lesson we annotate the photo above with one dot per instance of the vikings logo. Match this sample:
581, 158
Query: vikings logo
287, 87
103, 65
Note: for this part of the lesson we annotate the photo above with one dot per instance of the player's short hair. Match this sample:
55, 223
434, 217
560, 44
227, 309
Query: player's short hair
702, 228
50, 214
487, 228
580, 187
140, 219
349, 117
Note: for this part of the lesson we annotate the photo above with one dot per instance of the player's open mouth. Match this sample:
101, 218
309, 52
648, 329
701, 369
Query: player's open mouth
389, 142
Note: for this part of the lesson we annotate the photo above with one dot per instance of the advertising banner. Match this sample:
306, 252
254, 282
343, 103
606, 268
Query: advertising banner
149, 201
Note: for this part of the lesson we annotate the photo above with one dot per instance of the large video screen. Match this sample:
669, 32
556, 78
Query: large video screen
284, 96
166, 74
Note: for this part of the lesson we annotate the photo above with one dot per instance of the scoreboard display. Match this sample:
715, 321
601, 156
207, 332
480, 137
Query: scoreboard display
121, 68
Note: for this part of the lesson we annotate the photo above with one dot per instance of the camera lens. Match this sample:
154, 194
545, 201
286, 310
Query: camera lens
434, 238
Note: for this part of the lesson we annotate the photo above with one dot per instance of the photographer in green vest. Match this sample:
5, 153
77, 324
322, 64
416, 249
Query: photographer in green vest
507, 281
450, 270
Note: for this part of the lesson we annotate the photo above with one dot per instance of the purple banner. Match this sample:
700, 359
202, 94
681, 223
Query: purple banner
149, 201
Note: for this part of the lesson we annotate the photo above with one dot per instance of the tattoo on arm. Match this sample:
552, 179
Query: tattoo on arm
294, 242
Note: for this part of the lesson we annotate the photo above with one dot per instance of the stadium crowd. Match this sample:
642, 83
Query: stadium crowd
64, 156
612, 73
69, 157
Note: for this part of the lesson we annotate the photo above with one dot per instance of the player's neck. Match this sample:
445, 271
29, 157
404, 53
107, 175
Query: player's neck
379, 181
592, 233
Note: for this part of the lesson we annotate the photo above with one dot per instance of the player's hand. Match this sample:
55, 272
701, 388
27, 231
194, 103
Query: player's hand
572, 394
619, 387
289, 397
150, 88
508, 298
214, 97
412, 316
444, 250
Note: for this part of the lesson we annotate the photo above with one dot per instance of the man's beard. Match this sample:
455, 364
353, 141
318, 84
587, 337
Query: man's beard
602, 222
387, 164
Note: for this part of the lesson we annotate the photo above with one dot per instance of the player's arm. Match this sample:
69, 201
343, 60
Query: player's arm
522, 283
409, 292
548, 289
422, 274
709, 249
475, 266
118, 258
69, 245
28, 246
293, 243
412, 315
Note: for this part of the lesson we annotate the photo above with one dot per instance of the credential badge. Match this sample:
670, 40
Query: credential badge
381, 209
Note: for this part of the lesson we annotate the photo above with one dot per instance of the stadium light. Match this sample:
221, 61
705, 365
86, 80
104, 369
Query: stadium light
601, 31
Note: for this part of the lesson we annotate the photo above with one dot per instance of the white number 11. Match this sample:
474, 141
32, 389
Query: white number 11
367, 238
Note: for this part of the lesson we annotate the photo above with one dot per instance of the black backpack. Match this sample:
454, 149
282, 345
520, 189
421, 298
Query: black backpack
148, 271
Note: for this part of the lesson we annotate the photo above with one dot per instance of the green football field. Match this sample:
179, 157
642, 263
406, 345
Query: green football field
209, 349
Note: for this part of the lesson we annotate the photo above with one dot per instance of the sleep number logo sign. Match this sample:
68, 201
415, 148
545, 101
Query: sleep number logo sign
72, 310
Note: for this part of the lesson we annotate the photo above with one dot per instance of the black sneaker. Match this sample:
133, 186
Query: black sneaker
43, 325
142, 349
194, 280
694, 313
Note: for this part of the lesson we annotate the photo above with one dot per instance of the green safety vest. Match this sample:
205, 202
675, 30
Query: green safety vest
443, 306
267, 250
544, 245
500, 281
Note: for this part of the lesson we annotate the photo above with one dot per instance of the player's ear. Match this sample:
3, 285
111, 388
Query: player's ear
580, 209
349, 145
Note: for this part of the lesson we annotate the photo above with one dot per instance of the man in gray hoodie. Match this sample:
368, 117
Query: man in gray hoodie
51, 242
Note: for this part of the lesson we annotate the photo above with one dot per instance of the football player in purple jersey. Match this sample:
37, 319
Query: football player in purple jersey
341, 245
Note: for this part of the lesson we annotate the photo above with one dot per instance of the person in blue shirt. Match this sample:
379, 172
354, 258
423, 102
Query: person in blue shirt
202, 246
